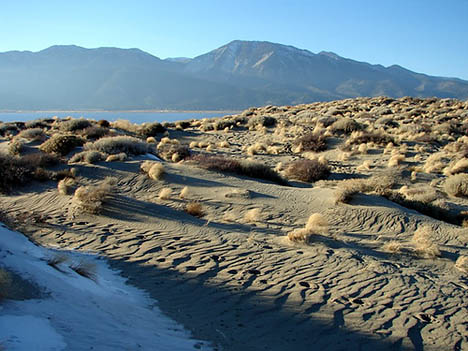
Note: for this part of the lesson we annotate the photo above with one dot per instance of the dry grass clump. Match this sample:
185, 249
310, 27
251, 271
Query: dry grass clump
435, 163
165, 194
89, 156
89, 199
194, 208
457, 185
173, 151
462, 264
86, 269
126, 125
33, 134
315, 142
241, 167
118, 144
55, 260
421, 193
117, 157
185, 192
252, 216
307, 170
457, 167
61, 144
316, 224
393, 246
374, 185
65, 186
155, 170
364, 137
74, 125
423, 243
94, 132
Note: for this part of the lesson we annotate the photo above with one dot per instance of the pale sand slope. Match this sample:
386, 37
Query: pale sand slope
243, 286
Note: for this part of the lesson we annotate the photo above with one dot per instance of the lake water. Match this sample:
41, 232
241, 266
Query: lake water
135, 117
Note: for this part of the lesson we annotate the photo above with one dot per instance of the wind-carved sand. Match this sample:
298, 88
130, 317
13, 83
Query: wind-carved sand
232, 276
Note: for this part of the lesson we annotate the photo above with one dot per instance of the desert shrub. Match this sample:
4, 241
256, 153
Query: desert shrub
13, 172
40, 123
374, 185
61, 144
95, 132
377, 137
74, 125
316, 224
423, 243
16, 147
8, 128
126, 125
345, 126
118, 144
34, 134
307, 170
151, 129
117, 157
90, 156
40, 159
194, 208
457, 185
173, 152
65, 186
155, 170
240, 167
89, 199
312, 142
264, 121
221, 124
103, 123
183, 124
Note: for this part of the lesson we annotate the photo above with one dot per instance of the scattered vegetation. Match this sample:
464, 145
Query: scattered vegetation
457, 185
316, 224
85, 268
194, 208
90, 199
61, 144
240, 167
312, 142
424, 244
307, 170
118, 144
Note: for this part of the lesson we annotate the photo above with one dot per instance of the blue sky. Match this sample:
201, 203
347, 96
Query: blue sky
424, 36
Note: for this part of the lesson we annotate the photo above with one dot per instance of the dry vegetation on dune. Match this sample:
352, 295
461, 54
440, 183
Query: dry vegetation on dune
385, 182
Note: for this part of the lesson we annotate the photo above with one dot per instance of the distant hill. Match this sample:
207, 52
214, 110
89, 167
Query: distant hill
234, 76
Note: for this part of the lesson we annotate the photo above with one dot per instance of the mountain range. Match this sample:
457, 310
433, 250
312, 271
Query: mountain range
237, 75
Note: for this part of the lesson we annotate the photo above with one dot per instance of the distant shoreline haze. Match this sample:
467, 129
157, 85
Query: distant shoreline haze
132, 116
235, 76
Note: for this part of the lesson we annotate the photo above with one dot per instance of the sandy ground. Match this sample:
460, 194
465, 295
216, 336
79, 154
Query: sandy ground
244, 286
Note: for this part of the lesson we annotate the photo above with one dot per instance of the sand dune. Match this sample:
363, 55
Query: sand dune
241, 284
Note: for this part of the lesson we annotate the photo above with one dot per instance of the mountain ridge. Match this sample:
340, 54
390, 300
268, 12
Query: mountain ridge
237, 75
